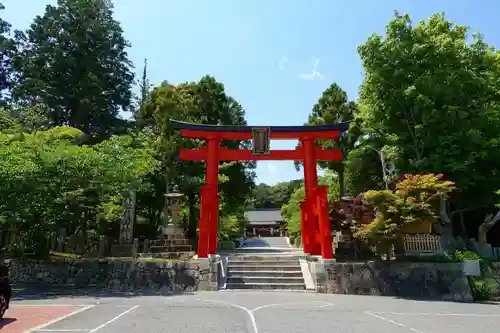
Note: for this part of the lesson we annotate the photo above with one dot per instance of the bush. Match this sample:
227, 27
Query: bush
482, 288
414, 200
471, 255
230, 228
466, 255
226, 245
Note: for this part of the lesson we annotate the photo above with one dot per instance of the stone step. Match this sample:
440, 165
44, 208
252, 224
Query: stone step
265, 270
264, 258
260, 263
167, 242
264, 273
262, 286
267, 250
266, 261
265, 279
166, 255
174, 248
268, 290
264, 254
258, 266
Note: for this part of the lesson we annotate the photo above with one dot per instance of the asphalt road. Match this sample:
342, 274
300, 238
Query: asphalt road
266, 312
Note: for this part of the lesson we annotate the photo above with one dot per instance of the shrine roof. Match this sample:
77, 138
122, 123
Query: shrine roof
342, 126
263, 216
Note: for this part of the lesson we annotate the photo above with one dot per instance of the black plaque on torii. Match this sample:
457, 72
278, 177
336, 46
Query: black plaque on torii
261, 140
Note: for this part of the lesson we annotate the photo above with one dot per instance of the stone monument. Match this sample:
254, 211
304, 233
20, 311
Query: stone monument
127, 219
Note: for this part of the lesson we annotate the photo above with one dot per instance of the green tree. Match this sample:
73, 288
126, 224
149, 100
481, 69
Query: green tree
31, 117
334, 107
413, 203
7, 52
230, 227
291, 211
73, 59
266, 196
363, 170
163, 103
144, 90
7, 122
50, 181
203, 102
434, 98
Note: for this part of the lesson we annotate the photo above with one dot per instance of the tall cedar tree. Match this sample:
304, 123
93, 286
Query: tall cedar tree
7, 51
73, 59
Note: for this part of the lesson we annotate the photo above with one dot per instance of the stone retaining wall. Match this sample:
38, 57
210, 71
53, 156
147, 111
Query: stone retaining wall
441, 281
120, 275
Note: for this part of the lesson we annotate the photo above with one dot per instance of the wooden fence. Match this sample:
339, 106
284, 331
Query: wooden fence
422, 243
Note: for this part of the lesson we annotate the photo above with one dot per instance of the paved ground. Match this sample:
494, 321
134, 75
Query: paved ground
245, 312
262, 242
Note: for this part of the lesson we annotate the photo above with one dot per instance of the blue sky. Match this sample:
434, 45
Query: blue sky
275, 57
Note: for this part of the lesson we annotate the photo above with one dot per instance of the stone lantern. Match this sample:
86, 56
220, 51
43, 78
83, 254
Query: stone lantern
171, 228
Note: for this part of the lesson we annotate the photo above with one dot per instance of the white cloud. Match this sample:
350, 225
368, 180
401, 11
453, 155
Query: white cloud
272, 167
282, 62
314, 73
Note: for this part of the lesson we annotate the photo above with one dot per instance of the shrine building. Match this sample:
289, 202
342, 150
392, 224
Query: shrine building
265, 223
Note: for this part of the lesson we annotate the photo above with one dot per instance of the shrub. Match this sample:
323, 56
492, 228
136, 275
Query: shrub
415, 199
482, 288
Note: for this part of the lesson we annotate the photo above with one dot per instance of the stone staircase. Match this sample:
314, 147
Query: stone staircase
264, 271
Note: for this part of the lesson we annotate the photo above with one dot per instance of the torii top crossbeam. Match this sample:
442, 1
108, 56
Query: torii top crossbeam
233, 132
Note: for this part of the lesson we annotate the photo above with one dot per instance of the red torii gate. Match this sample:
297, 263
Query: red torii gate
315, 221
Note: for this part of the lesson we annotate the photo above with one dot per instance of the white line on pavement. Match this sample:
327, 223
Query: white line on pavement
393, 322
38, 328
114, 319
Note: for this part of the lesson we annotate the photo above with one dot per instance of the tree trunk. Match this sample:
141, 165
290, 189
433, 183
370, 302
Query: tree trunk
463, 229
445, 227
191, 225
193, 218
341, 173
482, 232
